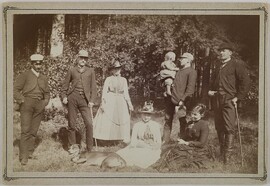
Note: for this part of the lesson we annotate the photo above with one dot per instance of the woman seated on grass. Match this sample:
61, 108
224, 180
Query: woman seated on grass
192, 148
143, 150
145, 146
197, 130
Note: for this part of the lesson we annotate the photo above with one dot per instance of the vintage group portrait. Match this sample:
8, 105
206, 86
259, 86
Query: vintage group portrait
135, 93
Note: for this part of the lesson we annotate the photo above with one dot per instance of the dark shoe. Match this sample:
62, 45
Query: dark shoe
78, 160
122, 145
33, 157
74, 149
221, 139
24, 161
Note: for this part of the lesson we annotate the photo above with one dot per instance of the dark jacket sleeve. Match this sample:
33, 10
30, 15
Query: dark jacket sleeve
243, 81
93, 87
190, 85
204, 132
18, 86
65, 84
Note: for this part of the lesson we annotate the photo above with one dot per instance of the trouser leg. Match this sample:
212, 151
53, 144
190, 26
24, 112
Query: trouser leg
183, 124
72, 116
221, 139
220, 124
37, 117
230, 126
228, 149
169, 111
86, 115
26, 120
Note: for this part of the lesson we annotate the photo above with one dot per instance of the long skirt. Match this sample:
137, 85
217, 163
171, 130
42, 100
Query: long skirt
141, 157
113, 122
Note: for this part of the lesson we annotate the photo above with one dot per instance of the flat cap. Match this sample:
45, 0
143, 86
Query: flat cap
83, 53
36, 57
187, 55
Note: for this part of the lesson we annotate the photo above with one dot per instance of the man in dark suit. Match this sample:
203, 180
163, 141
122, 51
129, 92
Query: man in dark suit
79, 93
31, 92
231, 84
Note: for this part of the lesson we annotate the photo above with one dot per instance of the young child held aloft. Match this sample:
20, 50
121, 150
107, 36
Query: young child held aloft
168, 71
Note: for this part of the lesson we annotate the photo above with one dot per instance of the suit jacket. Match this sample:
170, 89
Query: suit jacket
233, 78
88, 80
26, 82
184, 85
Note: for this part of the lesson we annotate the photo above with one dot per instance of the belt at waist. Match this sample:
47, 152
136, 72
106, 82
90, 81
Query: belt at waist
117, 92
79, 91
32, 97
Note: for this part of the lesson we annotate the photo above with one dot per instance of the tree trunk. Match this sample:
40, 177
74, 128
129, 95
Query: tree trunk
81, 27
39, 49
206, 77
57, 36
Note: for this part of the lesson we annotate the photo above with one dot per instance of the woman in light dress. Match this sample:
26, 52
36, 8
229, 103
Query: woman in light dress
145, 146
112, 121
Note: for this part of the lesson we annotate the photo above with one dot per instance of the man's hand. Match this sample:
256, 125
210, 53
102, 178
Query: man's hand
211, 93
234, 101
90, 104
181, 103
65, 100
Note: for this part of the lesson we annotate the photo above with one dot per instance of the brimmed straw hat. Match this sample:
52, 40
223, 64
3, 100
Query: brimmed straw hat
115, 65
147, 108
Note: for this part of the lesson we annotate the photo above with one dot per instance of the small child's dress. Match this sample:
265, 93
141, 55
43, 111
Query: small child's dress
166, 74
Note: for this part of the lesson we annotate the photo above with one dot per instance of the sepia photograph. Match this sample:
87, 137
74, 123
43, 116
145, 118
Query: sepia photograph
102, 93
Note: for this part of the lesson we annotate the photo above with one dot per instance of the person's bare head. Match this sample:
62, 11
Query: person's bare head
170, 56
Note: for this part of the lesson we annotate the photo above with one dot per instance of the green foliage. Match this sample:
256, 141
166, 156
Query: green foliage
140, 43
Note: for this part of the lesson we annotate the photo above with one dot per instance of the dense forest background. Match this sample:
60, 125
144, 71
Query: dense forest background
139, 42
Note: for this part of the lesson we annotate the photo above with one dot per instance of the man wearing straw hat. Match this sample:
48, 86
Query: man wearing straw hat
31, 92
231, 84
79, 93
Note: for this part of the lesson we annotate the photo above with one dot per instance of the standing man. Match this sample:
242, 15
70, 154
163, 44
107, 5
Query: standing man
31, 91
79, 93
182, 90
231, 84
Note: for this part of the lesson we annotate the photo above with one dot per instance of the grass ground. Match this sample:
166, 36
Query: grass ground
52, 157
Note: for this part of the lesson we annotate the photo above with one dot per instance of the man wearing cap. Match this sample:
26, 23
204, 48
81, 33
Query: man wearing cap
79, 93
182, 90
31, 92
231, 84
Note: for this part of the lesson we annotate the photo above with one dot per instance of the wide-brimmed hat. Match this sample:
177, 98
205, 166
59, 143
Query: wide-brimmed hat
115, 65
187, 55
83, 53
225, 46
147, 108
36, 57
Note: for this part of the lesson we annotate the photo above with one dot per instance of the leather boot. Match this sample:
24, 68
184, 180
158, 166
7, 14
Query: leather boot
221, 139
228, 148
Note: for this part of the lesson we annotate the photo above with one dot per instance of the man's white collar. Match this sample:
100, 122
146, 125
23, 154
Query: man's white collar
35, 72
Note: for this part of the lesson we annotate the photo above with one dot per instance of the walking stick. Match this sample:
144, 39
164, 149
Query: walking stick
239, 134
